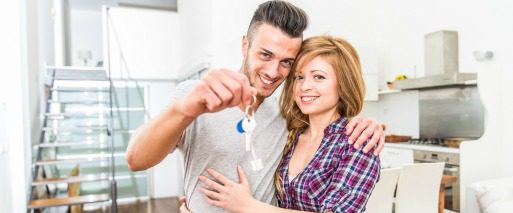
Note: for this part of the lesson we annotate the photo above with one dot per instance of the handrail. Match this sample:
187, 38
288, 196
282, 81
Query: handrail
42, 136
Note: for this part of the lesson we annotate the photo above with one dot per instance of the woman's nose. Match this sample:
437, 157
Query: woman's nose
307, 84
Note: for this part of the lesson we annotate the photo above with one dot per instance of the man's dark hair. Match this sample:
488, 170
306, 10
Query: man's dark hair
281, 14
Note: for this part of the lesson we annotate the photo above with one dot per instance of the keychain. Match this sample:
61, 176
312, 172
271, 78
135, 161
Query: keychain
247, 125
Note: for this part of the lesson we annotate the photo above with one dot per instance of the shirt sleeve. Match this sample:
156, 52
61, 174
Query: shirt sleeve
352, 182
179, 92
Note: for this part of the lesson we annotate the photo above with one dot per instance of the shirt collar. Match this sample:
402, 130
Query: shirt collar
336, 127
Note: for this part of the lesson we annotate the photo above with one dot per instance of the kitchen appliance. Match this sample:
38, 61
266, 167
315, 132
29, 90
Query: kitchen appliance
452, 164
440, 63
451, 112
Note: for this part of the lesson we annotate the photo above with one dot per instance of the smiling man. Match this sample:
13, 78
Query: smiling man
201, 119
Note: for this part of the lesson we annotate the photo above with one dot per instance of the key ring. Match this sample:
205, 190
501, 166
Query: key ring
247, 116
250, 106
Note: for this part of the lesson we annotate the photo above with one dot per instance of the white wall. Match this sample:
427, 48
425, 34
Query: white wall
45, 32
195, 28
85, 34
212, 33
166, 178
19, 49
143, 43
397, 28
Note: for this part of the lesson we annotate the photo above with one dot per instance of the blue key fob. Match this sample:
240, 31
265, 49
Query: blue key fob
239, 126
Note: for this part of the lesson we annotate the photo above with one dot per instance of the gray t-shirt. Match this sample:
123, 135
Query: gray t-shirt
212, 141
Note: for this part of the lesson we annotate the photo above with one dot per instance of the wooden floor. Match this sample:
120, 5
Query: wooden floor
168, 205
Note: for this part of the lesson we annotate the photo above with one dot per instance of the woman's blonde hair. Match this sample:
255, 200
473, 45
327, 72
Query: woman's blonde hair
343, 58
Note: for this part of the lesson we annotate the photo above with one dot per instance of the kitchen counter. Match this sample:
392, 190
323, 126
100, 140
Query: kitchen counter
406, 145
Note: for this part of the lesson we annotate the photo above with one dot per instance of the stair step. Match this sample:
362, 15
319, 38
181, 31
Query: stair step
73, 179
77, 73
79, 102
64, 144
42, 203
80, 89
78, 159
76, 129
75, 115
69, 161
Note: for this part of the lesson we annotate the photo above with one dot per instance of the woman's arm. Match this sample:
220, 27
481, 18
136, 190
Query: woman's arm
234, 197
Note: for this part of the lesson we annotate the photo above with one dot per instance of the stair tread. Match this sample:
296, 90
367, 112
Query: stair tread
72, 179
75, 129
70, 160
41, 203
78, 102
83, 158
77, 73
63, 144
76, 115
80, 89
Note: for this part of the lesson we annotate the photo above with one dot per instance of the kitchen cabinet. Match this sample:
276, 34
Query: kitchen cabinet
395, 157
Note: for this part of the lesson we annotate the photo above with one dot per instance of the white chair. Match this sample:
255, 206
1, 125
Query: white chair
382, 197
418, 188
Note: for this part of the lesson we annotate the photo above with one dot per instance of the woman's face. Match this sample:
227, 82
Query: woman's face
315, 87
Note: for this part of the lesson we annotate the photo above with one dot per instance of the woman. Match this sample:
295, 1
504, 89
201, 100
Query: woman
319, 170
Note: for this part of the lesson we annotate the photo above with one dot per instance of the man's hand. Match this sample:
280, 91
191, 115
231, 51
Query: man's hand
227, 194
183, 205
219, 89
361, 130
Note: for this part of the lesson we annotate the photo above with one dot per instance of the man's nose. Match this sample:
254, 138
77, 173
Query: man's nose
272, 69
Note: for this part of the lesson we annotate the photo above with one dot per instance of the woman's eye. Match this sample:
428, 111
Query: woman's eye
299, 77
319, 77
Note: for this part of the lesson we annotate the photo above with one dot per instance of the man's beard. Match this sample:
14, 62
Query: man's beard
246, 70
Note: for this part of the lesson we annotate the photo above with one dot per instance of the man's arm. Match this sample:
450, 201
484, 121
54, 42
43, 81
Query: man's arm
151, 142
368, 132
218, 90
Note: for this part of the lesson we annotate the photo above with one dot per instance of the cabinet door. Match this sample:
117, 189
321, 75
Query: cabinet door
395, 157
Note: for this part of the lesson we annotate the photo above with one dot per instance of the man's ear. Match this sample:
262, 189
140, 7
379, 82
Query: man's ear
245, 45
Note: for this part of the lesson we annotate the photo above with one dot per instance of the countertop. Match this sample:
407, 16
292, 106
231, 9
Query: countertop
406, 145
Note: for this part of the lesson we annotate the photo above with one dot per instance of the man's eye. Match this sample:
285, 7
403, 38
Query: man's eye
266, 55
287, 63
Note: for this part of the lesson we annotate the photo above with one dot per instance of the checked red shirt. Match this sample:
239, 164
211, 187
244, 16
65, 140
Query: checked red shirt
339, 178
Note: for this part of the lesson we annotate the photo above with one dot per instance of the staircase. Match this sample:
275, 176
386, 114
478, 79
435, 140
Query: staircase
76, 146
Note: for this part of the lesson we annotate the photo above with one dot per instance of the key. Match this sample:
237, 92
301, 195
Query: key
248, 124
256, 163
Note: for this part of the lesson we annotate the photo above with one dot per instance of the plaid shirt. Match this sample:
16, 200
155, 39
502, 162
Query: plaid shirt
339, 178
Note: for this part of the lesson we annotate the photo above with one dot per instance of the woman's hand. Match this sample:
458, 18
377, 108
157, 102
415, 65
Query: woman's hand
229, 195
361, 130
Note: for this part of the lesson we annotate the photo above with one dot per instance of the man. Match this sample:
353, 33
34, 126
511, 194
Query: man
202, 117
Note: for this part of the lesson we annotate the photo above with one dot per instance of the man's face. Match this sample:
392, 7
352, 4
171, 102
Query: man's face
269, 57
